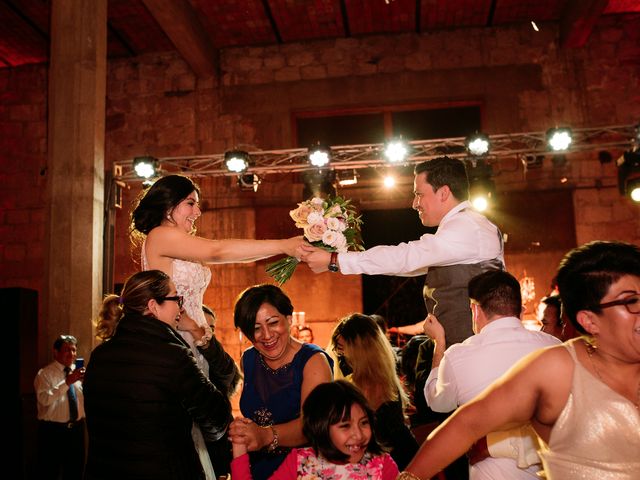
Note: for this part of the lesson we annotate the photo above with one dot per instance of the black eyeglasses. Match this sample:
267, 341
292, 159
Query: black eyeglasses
631, 303
178, 299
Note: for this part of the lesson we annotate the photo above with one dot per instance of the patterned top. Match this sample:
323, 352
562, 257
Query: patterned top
191, 280
304, 464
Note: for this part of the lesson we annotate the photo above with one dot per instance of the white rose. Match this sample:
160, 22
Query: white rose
333, 224
330, 237
315, 217
317, 201
340, 243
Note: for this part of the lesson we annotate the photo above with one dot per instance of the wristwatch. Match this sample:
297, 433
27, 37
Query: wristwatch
333, 263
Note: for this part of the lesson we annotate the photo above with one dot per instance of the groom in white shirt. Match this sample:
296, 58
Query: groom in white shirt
465, 244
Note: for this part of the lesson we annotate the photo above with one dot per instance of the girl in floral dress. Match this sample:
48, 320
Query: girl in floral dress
339, 424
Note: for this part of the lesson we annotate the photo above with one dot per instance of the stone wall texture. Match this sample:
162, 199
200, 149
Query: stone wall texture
156, 106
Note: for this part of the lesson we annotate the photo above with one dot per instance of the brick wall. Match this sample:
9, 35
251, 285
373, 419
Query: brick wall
156, 106
23, 161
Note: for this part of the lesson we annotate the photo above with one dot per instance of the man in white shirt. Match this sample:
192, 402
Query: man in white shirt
465, 244
58, 387
462, 371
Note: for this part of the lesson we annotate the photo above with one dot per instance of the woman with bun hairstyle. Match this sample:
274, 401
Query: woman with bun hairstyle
143, 390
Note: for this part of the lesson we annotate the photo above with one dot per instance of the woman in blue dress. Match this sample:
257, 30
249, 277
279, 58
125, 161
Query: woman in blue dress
279, 372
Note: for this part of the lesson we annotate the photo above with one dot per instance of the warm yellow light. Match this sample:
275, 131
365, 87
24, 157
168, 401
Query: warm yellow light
480, 203
389, 181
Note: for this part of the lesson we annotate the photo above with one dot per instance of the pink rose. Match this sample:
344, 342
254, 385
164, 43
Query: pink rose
314, 232
300, 214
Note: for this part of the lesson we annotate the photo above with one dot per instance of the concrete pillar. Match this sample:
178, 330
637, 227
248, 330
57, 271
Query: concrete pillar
77, 83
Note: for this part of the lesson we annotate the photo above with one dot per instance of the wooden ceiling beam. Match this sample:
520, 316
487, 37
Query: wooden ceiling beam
577, 21
180, 22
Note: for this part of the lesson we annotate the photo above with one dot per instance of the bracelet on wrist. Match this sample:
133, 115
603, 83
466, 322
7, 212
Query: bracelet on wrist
274, 443
404, 475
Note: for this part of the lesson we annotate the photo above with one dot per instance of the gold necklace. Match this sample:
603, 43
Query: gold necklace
591, 350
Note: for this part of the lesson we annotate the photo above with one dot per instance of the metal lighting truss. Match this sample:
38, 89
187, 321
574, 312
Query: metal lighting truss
518, 145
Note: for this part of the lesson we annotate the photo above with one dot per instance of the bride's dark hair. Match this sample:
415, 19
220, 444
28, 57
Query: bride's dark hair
152, 205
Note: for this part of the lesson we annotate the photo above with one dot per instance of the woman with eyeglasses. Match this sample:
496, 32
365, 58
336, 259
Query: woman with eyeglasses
144, 390
582, 397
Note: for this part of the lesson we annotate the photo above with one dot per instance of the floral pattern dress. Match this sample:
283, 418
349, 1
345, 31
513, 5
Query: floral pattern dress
304, 464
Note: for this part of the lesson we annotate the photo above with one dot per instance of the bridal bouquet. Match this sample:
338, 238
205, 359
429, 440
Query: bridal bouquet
330, 224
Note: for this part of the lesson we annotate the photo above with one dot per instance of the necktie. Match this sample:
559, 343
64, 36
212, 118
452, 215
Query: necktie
73, 399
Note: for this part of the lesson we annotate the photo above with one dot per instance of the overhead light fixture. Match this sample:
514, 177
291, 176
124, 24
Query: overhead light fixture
396, 151
347, 177
559, 139
319, 155
237, 161
389, 181
532, 161
534, 26
633, 186
629, 175
249, 181
145, 167
477, 144
481, 186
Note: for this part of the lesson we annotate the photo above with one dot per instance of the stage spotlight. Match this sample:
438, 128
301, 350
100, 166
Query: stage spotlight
633, 187
389, 181
319, 155
481, 186
482, 193
145, 167
249, 181
347, 177
396, 151
629, 175
477, 144
559, 139
236, 160
532, 161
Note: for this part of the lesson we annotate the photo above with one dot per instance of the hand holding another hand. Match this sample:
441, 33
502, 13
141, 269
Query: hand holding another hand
317, 258
292, 246
248, 435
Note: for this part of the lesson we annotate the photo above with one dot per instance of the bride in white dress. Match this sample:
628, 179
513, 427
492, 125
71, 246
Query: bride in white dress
163, 221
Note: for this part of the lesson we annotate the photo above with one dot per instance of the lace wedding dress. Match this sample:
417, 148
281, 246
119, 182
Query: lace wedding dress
191, 280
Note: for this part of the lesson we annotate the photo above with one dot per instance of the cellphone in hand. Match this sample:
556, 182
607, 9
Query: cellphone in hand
79, 362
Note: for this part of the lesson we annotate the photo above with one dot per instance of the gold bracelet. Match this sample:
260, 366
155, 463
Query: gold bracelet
274, 443
404, 475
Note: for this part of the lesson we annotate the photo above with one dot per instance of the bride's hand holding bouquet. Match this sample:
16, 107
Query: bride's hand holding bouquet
331, 225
